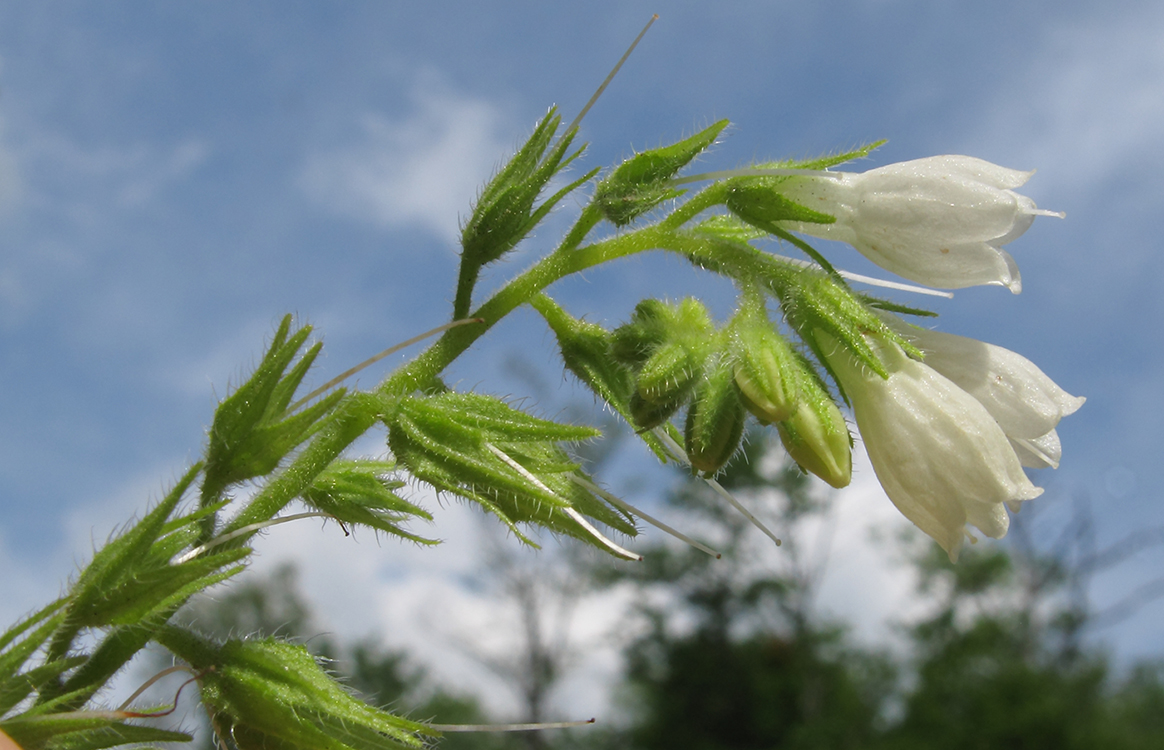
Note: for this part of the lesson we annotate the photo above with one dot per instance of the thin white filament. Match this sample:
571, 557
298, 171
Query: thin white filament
244, 531
373, 360
578, 517
508, 727
612, 74
679, 454
619, 502
871, 281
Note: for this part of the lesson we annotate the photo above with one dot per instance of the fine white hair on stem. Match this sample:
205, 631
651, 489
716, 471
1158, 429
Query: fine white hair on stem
679, 454
243, 531
619, 502
581, 521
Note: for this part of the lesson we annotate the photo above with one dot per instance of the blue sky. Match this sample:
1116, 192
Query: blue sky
176, 176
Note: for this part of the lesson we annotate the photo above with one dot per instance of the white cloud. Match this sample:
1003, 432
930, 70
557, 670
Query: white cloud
421, 170
1091, 100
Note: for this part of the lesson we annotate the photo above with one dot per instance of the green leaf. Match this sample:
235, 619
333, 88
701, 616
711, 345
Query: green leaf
17, 687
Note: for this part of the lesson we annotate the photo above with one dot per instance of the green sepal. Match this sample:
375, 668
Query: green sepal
14, 650
252, 430
17, 687
669, 374
82, 733
360, 493
820, 302
715, 419
509, 462
159, 586
894, 307
728, 227
826, 161
666, 345
757, 201
115, 564
647, 415
643, 181
504, 213
274, 694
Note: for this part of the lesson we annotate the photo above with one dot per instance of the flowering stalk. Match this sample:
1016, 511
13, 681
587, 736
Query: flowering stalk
948, 422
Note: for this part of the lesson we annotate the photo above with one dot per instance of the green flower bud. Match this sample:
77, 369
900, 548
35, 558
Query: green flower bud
669, 374
644, 181
766, 369
817, 437
647, 415
715, 420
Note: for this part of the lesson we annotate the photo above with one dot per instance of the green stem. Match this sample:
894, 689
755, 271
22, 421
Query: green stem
732, 259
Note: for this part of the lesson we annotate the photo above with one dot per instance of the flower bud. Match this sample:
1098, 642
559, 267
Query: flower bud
644, 181
765, 370
715, 419
817, 438
669, 374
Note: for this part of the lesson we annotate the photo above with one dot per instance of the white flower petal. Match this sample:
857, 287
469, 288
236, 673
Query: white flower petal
940, 221
940, 456
1021, 398
1043, 452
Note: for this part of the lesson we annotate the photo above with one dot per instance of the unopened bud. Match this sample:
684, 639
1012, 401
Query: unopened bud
765, 371
817, 439
715, 420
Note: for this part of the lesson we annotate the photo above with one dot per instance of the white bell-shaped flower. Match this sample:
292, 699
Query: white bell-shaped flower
1025, 402
939, 454
939, 221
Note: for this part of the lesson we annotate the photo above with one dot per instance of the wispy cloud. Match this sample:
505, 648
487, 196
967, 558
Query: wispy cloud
421, 170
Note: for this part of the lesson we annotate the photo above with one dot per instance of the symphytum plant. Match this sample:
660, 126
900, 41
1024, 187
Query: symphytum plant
948, 422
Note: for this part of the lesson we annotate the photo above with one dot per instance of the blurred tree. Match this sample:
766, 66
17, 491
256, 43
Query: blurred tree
733, 655
999, 663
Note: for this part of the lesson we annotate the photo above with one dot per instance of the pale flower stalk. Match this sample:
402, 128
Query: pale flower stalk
939, 221
1025, 402
941, 457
